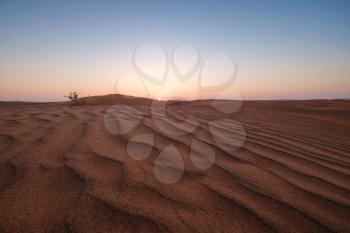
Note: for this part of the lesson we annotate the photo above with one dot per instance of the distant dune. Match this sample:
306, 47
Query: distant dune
62, 170
117, 99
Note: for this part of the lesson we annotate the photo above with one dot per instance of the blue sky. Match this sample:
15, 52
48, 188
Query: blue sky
284, 49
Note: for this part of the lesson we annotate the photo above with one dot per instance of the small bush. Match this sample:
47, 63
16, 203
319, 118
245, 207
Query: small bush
74, 96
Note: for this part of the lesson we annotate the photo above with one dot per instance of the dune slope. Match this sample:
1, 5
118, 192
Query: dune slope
284, 167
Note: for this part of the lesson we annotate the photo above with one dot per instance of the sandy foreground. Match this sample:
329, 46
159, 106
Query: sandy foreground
273, 166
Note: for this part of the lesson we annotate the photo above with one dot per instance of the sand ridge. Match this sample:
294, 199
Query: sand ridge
62, 170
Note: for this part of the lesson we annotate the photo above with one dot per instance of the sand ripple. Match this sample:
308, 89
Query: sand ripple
275, 166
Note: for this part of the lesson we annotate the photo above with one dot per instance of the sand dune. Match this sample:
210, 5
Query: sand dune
273, 166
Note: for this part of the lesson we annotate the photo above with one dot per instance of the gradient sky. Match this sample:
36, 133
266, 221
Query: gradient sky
283, 49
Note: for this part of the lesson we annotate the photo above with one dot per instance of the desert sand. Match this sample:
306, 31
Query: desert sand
62, 170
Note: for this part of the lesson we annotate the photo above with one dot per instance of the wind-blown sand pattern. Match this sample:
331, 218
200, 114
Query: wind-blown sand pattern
61, 170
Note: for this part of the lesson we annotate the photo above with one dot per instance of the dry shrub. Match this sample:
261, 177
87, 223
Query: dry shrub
75, 97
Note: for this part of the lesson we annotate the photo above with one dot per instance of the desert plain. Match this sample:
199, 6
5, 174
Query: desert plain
286, 168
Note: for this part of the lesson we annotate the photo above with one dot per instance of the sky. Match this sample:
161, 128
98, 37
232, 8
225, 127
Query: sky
270, 49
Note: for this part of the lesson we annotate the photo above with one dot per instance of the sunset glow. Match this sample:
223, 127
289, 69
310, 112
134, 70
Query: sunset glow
48, 49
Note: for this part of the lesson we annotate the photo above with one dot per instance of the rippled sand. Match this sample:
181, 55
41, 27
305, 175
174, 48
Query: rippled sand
284, 167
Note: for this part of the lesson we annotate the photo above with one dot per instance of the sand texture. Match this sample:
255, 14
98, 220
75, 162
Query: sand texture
273, 166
